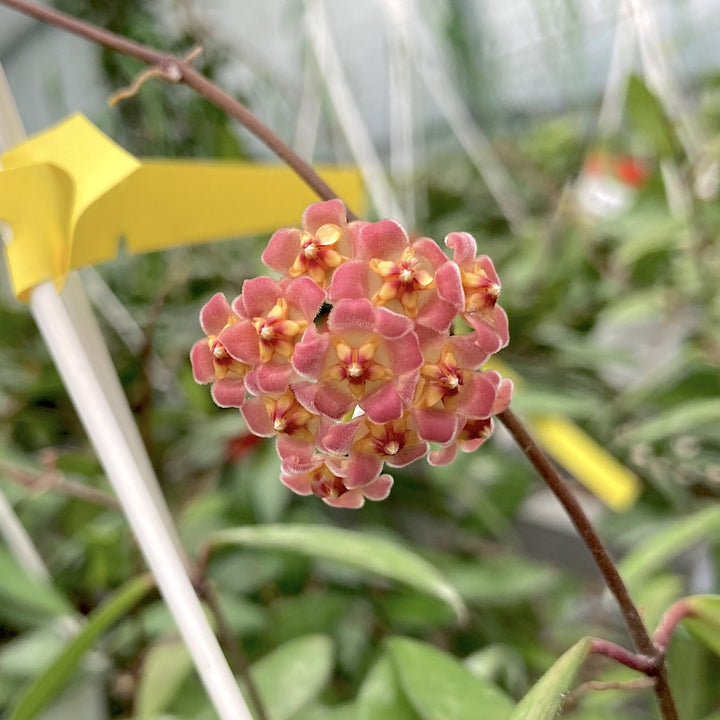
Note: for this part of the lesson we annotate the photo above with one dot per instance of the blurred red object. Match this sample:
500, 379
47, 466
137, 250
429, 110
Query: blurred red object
242, 445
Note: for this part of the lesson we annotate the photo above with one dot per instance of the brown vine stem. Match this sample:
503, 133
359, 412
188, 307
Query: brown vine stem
177, 69
640, 637
174, 69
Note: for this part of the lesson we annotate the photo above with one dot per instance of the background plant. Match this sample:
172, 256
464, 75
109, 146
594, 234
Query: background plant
565, 281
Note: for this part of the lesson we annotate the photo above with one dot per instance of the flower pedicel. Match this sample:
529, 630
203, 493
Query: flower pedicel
382, 375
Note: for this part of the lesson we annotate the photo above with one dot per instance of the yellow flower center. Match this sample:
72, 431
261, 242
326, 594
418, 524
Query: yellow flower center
318, 253
402, 281
276, 332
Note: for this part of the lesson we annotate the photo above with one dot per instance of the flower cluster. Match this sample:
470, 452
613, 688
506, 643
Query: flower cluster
381, 375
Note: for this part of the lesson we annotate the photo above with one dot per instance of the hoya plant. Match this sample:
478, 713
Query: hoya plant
366, 352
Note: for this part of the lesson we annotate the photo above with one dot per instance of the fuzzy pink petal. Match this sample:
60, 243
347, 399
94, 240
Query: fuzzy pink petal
449, 285
349, 315
430, 250
444, 455
322, 213
404, 354
229, 393
299, 484
306, 295
272, 377
309, 354
436, 314
257, 418
203, 366
487, 265
350, 281
477, 396
378, 489
333, 401
259, 295
352, 236
430, 341
468, 446
503, 396
241, 341
305, 393
486, 337
408, 454
282, 249
463, 246
384, 239
468, 352
474, 443
337, 438
384, 405
297, 455
352, 499
406, 385
215, 314
435, 425
251, 384
501, 325
361, 470
390, 324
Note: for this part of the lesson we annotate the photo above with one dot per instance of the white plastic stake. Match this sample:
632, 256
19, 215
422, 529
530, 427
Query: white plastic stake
95, 390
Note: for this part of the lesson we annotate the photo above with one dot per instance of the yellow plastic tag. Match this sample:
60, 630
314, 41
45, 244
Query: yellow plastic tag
70, 193
579, 454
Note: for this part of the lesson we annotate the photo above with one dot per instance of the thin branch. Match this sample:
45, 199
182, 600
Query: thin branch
641, 683
175, 67
646, 664
665, 629
640, 637
132, 89
56, 481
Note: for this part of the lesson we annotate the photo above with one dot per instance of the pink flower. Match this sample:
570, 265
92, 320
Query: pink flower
414, 280
481, 288
450, 387
475, 431
323, 244
368, 357
380, 376
211, 361
327, 480
396, 442
272, 318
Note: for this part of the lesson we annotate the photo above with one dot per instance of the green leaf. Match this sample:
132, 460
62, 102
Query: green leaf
366, 552
293, 675
704, 622
381, 697
347, 711
661, 547
545, 698
691, 416
53, 679
501, 581
25, 600
165, 668
439, 686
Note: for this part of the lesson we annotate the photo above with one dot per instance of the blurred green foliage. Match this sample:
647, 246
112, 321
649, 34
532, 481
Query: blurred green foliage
615, 322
